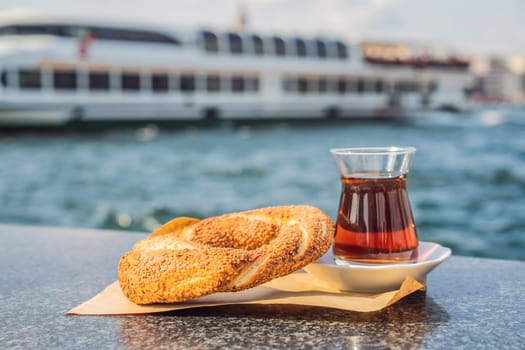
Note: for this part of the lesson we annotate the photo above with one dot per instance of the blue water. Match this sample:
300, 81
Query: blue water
466, 184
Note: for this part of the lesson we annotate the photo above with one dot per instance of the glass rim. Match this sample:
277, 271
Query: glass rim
376, 151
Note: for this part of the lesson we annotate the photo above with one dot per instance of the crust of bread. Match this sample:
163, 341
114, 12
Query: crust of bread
187, 258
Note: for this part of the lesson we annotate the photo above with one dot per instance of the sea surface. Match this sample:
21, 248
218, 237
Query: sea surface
466, 184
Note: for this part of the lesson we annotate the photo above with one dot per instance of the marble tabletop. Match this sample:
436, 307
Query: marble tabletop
470, 303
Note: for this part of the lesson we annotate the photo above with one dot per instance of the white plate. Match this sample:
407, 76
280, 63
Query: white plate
370, 278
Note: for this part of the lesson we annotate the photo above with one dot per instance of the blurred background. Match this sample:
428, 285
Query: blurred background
467, 180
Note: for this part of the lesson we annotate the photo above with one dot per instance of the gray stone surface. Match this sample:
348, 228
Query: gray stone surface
470, 303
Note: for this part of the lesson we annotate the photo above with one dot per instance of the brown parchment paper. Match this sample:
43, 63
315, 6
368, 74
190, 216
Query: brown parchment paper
297, 288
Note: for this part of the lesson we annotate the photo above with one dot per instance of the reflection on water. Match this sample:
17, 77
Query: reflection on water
403, 325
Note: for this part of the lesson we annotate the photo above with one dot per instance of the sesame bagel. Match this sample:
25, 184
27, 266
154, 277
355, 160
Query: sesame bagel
189, 258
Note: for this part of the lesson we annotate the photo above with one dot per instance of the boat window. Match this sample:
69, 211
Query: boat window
252, 84
99, 32
379, 86
122, 34
302, 85
320, 47
341, 49
98, 81
407, 86
341, 86
237, 84
213, 83
65, 80
279, 46
130, 82
312, 85
159, 82
432, 86
6, 30
187, 82
360, 86
210, 41
3, 78
258, 45
235, 43
26, 30
300, 47
29, 79
322, 85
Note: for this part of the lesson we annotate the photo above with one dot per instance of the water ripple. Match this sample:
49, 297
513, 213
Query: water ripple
466, 185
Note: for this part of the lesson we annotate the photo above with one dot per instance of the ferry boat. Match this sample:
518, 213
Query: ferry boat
56, 71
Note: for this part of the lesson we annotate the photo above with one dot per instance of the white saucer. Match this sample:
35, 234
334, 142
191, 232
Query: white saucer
370, 278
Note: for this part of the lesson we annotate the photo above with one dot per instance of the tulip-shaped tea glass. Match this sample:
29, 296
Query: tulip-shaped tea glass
374, 221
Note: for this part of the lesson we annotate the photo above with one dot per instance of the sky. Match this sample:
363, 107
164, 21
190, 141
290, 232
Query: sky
471, 27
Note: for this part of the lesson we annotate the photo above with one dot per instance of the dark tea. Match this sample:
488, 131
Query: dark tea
375, 223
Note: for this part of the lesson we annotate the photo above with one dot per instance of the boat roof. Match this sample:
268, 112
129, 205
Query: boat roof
28, 17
